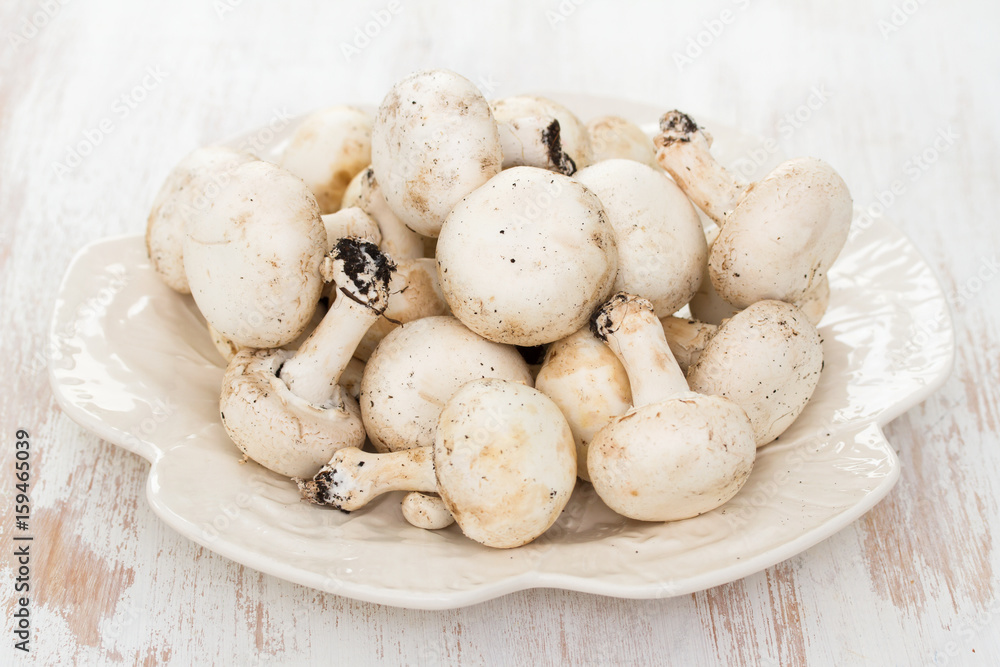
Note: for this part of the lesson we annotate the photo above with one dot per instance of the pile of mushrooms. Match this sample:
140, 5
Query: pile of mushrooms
477, 303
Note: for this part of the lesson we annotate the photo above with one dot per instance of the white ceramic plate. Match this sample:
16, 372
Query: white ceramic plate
132, 361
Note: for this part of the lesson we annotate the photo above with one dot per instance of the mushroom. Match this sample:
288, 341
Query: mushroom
426, 511
417, 368
676, 453
287, 410
767, 359
526, 258
589, 385
327, 149
351, 222
687, 338
710, 308
253, 261
537, 132
614, 137
503, 462
413, 295
186, 195
661, 243
433, 142
779, 235
398, 241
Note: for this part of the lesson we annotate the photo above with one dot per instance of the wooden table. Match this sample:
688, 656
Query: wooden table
885, 91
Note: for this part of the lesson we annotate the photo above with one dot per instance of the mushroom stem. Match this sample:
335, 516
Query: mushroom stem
629, 326
353, 477
362, 274
687, 338
683, 150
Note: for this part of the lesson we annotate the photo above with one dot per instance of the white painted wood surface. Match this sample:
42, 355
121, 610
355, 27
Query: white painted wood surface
913, 582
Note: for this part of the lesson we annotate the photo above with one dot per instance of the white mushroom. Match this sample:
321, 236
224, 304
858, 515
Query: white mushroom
327, 149
351, 222
253, 261
503, 462
779, 236
661, 243
434, 141
287, 410
183, 198
687, 338
426, 511
589, 385
526, 258
537, 132
398, 241
417, 368
676, 454
614, 137
413, 295
767, 359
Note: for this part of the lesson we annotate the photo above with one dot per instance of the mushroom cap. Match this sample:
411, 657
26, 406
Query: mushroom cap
588, 383
417, 368
425, 511
672, 460
327, 149
505, 462
661, 243
767, 359
526, 258
253, 261
783, 235
433, 142
186, 194
414, 294
276, 428
516, 113
614, 137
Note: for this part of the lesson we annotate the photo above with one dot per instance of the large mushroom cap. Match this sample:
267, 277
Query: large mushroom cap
186, 195
783, 236
327, 149
505, 462
767, 359
672, 460
417, 368
433, 142
661, 243
253, 262
527, 257
276, 428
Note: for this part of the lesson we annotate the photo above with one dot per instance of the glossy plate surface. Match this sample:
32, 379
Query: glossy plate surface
132, 361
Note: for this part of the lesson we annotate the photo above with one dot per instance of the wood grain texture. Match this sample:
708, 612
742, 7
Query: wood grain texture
913, 582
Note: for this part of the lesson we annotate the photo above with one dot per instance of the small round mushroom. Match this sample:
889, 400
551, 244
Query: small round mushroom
524, 259
767, 359
398, 241
413, 295
434, 141
186, 195
614, 137
287, 410
676, 454
537, 132
426, 511
417, 368
253, 261
589, 385
503, 462
779, 235
327, 149
661, 243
